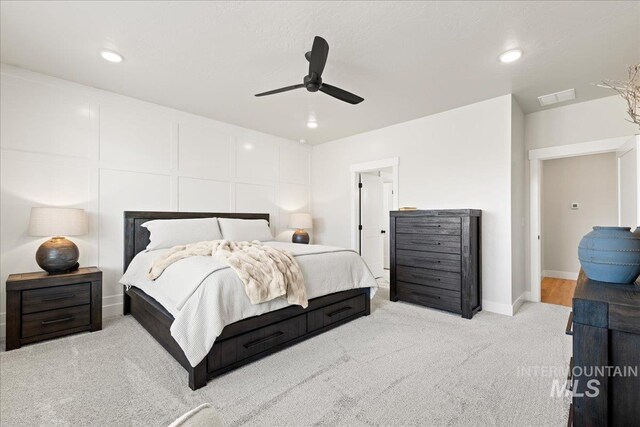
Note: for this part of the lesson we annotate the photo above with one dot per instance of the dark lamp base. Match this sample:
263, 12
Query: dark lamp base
58, 255
300, 236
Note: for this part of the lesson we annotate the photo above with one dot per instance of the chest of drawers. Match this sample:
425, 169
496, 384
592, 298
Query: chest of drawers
435, 259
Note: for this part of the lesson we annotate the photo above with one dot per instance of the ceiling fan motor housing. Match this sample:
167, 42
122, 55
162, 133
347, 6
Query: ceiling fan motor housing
312, 82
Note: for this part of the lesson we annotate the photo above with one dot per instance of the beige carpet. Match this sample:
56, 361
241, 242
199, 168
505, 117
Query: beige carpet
402, 365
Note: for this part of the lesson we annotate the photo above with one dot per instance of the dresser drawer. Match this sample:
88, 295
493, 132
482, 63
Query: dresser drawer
45, 322
429, 242
442, 299
432, 260
428, 225
253, 343
427, 277
56, 297
336, 312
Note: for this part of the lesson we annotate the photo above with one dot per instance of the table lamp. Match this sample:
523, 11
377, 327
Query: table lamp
58, 254
300, 221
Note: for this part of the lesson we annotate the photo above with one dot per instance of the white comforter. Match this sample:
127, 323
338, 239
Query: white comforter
204, 295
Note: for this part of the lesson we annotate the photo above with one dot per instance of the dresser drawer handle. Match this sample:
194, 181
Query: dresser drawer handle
338, 311
418, 276
420, 243
263, 340
426, 296
569, 329
63, 319
428, 226
59, 297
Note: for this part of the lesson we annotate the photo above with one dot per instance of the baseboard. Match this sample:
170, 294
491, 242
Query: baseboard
502, 308
111, 307
567, 275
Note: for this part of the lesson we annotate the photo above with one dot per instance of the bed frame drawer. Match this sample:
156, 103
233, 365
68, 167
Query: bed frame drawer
57, 297
436, 278
336, 312
442, 299
255, 342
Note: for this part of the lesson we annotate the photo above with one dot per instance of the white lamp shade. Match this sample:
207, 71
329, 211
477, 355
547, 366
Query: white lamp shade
300, 220
58, 222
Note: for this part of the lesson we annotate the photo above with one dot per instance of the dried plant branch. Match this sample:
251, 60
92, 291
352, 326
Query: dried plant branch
629, 91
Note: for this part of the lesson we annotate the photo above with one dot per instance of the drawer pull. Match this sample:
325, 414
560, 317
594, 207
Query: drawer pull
569, 329
263, 340
428, 226
418, 276
338, 311
413, 242
63, 319
426, 296
59, 297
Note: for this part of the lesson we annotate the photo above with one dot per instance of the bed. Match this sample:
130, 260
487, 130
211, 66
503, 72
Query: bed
243, 341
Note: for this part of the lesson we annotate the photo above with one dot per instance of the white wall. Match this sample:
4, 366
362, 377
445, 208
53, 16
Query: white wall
629, 184
594, 120
590, 181
518, 183
64, 144
586, 121
456, 159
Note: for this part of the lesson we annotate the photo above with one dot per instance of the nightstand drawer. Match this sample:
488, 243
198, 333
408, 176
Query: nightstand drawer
56, 297
46, 322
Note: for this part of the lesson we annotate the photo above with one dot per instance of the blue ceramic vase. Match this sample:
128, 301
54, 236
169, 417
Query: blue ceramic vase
611, 254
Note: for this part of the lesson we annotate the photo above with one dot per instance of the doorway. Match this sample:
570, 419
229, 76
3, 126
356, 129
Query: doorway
577, 193
626, 194
375, 193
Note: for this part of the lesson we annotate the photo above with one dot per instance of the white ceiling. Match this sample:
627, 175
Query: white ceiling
407, 60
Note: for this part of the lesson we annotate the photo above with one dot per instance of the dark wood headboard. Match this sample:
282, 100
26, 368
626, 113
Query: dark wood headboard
136, 237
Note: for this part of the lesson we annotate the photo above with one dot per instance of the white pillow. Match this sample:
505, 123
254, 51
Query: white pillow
167, 233
245, 230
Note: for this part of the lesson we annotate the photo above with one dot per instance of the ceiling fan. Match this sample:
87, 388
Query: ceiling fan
313, 82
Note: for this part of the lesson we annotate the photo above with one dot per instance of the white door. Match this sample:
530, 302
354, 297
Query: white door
386, 207
629, 188
371, 219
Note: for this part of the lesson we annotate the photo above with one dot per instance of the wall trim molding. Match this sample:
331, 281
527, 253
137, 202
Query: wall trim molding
567, 275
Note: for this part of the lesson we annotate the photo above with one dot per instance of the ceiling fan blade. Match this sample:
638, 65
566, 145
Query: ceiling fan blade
282, 89
319, 54
341, 94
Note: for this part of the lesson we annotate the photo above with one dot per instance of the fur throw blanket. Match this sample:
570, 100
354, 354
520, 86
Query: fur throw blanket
266, 272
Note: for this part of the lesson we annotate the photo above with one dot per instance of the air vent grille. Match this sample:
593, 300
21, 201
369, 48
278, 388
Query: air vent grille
554, 98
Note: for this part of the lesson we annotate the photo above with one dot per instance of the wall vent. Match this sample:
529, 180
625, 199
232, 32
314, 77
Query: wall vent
554, 98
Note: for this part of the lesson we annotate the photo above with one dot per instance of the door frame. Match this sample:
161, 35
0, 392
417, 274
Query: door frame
354, 170
536, 157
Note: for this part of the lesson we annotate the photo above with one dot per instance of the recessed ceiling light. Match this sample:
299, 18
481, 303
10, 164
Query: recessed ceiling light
312, 125
511, 55
303, 141
111, 56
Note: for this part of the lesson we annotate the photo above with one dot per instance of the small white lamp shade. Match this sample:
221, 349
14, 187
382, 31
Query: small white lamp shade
300, 221
58, 222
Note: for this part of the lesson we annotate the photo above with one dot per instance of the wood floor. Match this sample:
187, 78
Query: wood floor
557, 291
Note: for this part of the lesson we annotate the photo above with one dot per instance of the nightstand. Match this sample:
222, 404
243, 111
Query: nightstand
41, 306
